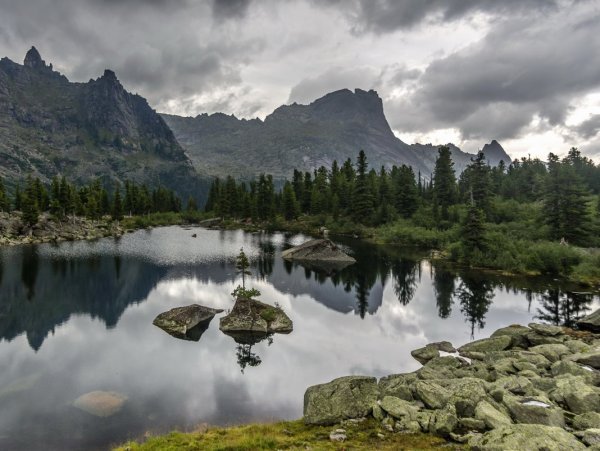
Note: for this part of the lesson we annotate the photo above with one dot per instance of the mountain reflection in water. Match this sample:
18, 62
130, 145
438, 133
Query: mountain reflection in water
77, 317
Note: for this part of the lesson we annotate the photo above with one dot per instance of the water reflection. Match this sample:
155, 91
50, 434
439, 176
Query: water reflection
77, 317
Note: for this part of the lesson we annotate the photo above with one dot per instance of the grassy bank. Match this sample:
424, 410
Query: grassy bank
288, 435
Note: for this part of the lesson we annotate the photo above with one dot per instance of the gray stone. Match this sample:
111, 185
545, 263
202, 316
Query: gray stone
441, 368
399, 408
407, 426
498, 343
546, 329
590, 322
575, 369
443, 421
536, 339
491, 417
530, 437
576, 395
591, 437
179, 320
591, 358
425, 354
339, 435
517, 385
444, 346
341, 399
577, 346
553, 352
466, 394
378, 412
517, 334
587, 420
531, 411
398, 385
473, 424
433, 395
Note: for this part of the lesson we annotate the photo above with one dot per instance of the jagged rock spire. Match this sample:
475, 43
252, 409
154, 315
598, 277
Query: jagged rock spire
33, 59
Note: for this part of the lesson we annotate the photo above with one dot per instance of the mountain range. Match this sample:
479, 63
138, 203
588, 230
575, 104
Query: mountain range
333, 127
50, 126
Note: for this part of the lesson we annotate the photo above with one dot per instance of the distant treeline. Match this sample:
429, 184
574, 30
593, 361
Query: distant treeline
62, 199
372, 198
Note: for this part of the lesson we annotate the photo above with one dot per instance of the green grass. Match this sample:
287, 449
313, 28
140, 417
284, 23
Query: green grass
288, 435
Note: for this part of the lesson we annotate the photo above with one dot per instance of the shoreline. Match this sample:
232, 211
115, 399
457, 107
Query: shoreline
83, 229
525, 387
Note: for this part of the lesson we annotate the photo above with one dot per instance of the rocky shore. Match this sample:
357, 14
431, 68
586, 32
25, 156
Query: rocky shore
47, 230
524, 388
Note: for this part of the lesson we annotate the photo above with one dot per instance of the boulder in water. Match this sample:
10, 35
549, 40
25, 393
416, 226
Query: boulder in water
320, 251
187, 322
250, 316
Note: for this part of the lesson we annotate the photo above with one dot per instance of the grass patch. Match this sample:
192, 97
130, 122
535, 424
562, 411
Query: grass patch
289, 435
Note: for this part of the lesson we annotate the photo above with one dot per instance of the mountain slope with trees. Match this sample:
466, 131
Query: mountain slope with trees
305, 137
52, 127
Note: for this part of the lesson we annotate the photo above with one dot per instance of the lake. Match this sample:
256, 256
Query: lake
77, 317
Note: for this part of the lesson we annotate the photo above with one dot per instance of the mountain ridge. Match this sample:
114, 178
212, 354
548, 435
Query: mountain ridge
333, 127
50, 127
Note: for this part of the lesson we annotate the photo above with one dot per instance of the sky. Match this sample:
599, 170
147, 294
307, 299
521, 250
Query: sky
524, 72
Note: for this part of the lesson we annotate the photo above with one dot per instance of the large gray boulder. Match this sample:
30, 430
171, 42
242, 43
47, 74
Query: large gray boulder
537, 410
498, 343
590, 322
179, 321
252, 316
341, 399
491, 416
319, 250
531, 437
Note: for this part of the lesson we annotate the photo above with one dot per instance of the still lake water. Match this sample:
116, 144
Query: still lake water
77, 317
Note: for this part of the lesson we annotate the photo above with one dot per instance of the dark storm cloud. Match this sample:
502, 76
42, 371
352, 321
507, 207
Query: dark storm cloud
228, 9
520, 70
590, 127
380, 16
165, 50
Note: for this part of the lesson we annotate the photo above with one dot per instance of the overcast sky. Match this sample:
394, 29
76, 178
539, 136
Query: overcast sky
525, 72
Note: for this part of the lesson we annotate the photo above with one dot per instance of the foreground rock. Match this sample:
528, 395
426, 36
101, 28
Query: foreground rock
534, 388
322, 253
250, 316
187, 322
341, 399
101, 403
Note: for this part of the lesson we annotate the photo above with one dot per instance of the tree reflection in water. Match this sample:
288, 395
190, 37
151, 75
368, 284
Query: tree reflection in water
475, 296
243, 352
563, 308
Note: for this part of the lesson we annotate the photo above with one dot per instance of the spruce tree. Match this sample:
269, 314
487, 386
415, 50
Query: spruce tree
405, 191
4, 202
472, 235
117, 207
362, 197
290, 205
18, 198
29, 204
444, 183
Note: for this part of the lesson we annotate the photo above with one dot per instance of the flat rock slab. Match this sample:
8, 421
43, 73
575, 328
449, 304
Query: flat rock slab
101, 403
179, 320
534, 437
319, 250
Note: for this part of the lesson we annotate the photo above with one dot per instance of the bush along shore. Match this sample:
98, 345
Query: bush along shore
534, 387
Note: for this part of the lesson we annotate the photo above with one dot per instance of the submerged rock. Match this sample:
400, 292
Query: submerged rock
250, 316
321, 252
341, 399
590, 322
187, 322
101, 403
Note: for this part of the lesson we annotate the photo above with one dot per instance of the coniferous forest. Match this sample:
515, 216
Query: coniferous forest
529, 216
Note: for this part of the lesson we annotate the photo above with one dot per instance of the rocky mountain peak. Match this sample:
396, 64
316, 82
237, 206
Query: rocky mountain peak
33, 59
495, 153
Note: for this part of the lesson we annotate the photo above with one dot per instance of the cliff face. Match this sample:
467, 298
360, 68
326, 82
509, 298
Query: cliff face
50, 126
333, 127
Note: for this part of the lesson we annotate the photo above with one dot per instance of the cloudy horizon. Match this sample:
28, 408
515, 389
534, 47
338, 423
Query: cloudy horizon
524, 72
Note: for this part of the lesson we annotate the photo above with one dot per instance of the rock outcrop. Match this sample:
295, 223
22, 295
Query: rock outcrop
320, 252
187, 322
590, 322
534, 387
250, 316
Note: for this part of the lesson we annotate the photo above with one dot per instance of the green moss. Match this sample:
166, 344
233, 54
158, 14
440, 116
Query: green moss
288, 435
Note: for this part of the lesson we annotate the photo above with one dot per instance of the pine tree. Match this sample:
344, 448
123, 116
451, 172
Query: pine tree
117, 207
480, 182
405, 191
362, 197
242, 264
444, 182
290, 204
29, 204
4, 202
472, 235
